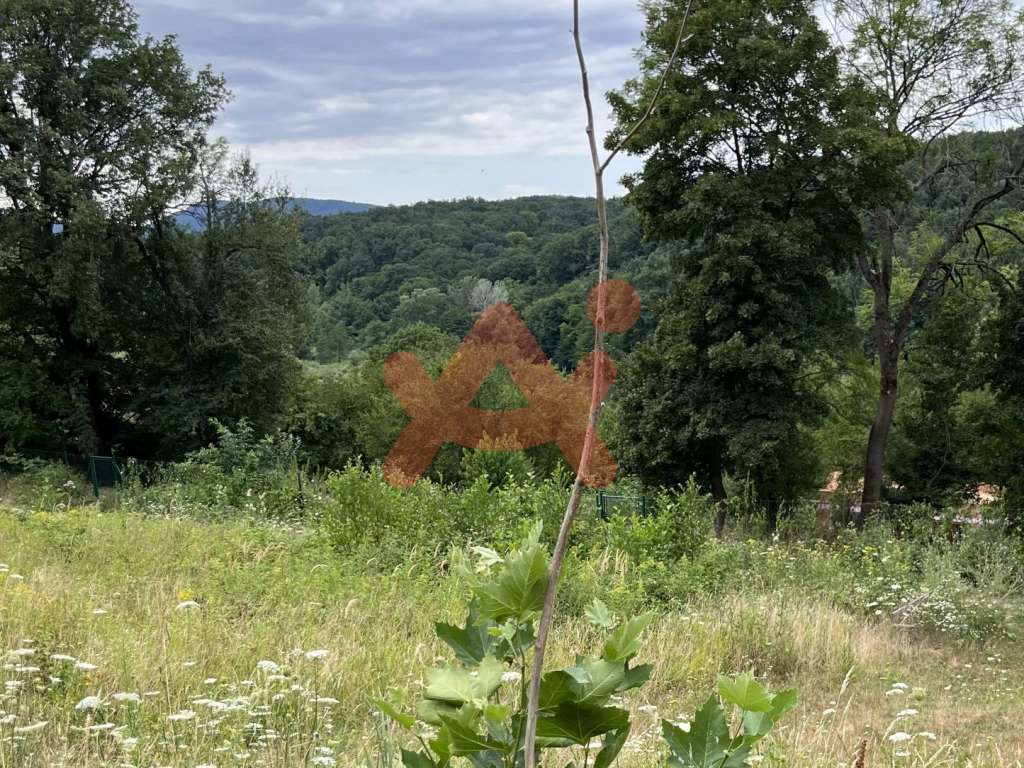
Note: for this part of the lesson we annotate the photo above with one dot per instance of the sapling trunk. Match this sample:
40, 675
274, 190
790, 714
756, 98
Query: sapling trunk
583, 470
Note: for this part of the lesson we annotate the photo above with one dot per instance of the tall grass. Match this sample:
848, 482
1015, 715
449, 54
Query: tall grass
221, 617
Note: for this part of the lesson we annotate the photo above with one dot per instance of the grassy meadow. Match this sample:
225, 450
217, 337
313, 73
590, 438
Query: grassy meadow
136, 635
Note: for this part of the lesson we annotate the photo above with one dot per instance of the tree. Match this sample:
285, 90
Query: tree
756, 160
936, 65
99, 132
217, 316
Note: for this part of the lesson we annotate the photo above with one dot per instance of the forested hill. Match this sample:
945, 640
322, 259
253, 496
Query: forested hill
440, 262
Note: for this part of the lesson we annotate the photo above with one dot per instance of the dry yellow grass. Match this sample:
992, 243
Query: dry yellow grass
115, 591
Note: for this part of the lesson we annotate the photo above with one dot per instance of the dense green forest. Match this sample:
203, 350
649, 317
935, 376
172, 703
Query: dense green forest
851, 291
440, 263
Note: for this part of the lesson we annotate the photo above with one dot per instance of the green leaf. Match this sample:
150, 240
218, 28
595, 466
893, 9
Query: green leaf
416, 760
464, 740
517, 591
441, 746
556, 687
496, 714
432, 711
613, 744
594, 681
625, 640
462, 687
488, 556
470, 643
572, 724
705, 745
745, 692
406, 721
635, 677
757, 725
599, 615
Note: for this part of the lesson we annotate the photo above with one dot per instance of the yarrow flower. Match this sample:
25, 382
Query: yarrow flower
89, 702
30, 728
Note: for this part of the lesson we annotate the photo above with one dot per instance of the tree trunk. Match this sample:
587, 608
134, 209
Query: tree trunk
719, 495
874, 463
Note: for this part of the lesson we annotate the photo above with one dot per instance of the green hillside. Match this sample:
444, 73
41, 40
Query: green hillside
439, 262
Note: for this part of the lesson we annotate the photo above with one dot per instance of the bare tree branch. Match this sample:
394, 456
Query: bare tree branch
680, 39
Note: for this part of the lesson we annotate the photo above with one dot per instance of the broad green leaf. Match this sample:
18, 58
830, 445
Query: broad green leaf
432, 711
460, 686
745, 692
706, 743
406, 721
613, 744
758, 724
488, 556
517, 590
594, 681
470, 643
441, 746
556, 687
488, 676
496, 713
573, 724
416, 760
635, 677
599, 615
464, 740
624, 642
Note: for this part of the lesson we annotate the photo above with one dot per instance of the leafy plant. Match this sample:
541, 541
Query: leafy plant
475, 708
710, 743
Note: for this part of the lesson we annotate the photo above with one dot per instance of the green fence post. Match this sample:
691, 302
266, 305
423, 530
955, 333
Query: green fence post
92, 475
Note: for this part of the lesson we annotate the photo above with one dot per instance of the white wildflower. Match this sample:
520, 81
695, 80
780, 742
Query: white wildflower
928, 735
182, 716
906, 713
89, 702
128, 698
900, 736
316, 655
30, 728
85, 666
267, 667
187, 605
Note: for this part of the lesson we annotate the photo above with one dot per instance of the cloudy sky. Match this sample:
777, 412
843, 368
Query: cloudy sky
393, 101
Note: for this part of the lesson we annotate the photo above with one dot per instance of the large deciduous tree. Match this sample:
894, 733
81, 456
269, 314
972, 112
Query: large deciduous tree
756, 161
99, 128
133, 331
938, 66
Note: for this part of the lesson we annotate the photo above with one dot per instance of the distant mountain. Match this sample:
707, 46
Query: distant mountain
310, 205
316, 207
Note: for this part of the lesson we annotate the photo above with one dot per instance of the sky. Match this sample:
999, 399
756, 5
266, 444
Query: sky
396, 101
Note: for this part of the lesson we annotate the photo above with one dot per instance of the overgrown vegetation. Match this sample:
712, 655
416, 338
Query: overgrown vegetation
179, 600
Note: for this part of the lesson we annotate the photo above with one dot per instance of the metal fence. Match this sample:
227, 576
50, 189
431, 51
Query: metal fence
102, 471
